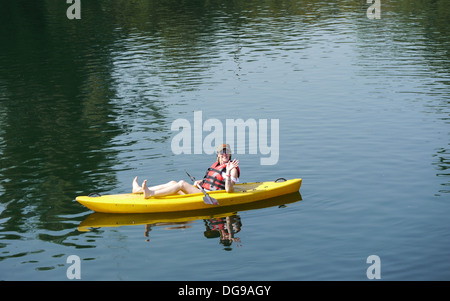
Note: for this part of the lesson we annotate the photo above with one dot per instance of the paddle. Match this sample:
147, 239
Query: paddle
207, 199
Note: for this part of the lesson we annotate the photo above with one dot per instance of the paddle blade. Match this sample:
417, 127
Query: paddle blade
209, 200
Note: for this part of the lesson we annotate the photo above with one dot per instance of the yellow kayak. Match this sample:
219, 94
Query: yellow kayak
136, 203
100, 220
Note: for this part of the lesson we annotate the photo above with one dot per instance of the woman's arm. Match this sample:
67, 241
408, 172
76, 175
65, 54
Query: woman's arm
231, 172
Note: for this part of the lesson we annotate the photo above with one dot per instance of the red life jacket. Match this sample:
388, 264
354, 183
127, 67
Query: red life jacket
213, 179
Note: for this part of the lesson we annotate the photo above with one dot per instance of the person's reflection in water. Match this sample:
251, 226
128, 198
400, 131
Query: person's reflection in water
225, 228
148, 228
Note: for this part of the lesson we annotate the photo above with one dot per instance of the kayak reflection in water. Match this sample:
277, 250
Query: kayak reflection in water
169, 226
222, 175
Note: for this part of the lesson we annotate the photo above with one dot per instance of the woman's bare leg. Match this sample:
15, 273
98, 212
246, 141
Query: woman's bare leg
138, 189
188, 188
169, 188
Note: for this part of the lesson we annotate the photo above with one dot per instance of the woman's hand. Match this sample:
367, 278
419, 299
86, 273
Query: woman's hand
231, 165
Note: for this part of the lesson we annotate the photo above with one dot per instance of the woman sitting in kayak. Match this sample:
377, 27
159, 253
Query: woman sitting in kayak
222, 175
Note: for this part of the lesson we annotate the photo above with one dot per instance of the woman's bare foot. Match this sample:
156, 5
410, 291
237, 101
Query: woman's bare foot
136, 187
147, 192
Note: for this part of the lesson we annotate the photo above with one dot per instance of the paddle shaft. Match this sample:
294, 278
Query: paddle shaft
207, 199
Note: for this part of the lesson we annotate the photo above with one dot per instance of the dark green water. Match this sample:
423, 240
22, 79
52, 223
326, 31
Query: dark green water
363, 110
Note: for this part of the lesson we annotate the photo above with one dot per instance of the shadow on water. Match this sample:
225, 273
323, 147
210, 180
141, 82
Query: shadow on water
56, 120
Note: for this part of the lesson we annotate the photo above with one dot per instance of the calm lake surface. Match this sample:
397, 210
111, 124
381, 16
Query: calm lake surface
363, 110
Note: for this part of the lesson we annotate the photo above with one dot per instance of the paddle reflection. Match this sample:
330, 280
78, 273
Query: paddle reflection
220, 222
